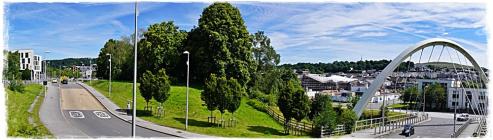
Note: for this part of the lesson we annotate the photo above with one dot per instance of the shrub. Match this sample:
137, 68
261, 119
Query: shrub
257, 105
16, 85
327, 119
348, 118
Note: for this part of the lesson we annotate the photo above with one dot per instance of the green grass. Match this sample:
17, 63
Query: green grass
17, 107
398, 106
251, 122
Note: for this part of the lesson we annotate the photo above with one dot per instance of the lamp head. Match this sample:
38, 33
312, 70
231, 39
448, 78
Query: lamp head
186, 52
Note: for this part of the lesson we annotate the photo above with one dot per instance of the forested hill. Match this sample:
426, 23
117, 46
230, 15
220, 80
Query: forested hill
344, 66
70, 62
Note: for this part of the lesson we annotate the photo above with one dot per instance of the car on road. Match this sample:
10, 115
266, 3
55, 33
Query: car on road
64, 79
463, 117
54, 81
408, 130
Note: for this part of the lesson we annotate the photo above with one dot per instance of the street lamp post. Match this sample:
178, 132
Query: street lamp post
424, 99
134, 111
46, 56
109, 87
188, 70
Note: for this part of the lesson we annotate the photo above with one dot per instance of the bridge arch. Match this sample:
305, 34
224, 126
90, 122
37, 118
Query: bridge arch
380, 79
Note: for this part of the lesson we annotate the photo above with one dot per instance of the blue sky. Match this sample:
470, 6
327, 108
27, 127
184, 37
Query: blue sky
300, 32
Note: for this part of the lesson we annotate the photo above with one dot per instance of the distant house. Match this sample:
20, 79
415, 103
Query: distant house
28, 60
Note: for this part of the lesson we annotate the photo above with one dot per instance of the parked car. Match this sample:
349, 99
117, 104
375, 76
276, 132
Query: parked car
463, 117
408, 130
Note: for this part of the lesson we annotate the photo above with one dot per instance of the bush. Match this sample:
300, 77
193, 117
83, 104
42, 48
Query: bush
257, 105
16, 85
327, 119
348, 119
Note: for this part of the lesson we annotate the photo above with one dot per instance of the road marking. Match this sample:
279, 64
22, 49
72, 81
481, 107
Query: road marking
101, 114
76, 114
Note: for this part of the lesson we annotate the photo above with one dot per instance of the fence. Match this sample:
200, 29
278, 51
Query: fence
461, 128
293, 126
395, 122
481, 129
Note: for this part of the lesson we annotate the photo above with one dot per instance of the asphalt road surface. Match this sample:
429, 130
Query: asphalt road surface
441, 125
71, 111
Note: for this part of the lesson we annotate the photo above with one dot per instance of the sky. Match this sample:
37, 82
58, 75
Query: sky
299, 32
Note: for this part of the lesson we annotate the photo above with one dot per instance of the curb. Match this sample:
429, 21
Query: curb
114, 114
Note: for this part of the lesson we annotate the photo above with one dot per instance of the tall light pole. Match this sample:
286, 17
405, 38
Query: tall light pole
46, 59
109, 87
188, 70
424, 99
90, 70
135, 74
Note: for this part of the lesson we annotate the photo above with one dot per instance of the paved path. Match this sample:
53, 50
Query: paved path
69, 112
112, 108
467, 133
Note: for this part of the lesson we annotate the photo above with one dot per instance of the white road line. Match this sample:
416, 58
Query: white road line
76, 114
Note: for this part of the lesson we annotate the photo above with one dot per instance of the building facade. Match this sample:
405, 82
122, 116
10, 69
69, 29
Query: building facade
28, 60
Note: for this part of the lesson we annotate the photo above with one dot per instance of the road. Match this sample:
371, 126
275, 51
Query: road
69, 111
441, 125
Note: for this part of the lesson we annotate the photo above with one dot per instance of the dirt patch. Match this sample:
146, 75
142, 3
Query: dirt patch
78, 99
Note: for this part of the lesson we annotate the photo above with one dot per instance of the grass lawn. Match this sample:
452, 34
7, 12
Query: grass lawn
251, 123
399, 106
17, 108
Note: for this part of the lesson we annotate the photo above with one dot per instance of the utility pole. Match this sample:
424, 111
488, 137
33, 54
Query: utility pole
134, 111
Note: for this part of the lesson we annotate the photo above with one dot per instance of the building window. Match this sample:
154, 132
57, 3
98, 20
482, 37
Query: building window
455, 95
27, 54
28, 60
23, 61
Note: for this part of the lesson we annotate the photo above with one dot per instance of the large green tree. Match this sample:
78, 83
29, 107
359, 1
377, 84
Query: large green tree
121, 52
292, 102
264, 54
320, 103
161, 86
410, 94
162, 47
222, 44
436, 97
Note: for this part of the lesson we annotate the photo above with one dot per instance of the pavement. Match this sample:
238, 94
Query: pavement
113, 109
69, 112
441, 125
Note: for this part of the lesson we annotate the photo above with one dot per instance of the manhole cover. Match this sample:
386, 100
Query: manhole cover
76, 114
101, 114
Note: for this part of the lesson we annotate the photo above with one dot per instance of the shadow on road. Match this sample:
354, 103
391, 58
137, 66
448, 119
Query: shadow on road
143, 113
265, 130
194, 122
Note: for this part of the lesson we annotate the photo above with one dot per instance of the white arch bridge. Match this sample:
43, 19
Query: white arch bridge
428, 44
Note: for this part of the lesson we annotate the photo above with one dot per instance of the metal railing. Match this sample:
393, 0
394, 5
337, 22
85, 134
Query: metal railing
461, 128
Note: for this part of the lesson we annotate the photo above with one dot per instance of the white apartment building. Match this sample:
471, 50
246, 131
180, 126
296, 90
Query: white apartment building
463, 97
28, 60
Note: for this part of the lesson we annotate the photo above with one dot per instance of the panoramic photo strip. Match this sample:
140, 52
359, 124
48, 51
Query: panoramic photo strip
245, 69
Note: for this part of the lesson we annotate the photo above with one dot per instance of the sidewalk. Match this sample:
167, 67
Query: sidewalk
112, 107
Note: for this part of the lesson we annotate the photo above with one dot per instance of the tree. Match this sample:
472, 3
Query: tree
348, 119
264, 54
121, 53
146, 86
327, 118
161, 47
13, 66
409, 94
161, 86
209, 93
292, 102
320, 103
301, 104
26, 74
222, 43
234, 95
436, 97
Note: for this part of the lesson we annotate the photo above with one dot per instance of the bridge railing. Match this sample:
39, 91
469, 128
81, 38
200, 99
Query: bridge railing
461, 128
397, 122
